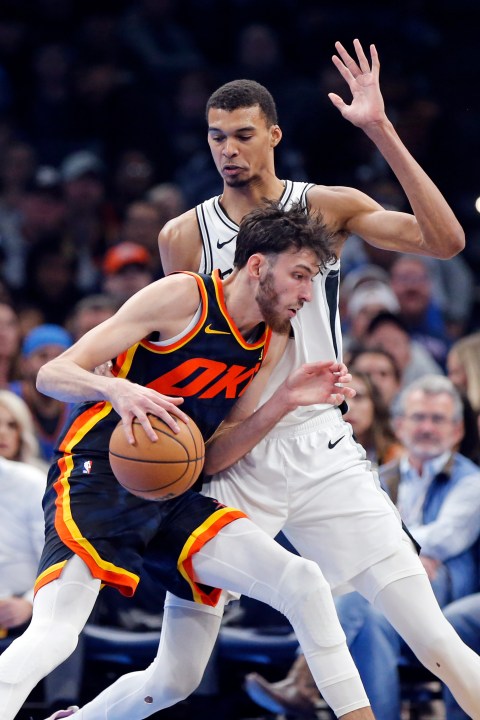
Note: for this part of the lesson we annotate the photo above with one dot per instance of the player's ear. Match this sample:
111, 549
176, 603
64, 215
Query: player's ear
254, 264
275, 135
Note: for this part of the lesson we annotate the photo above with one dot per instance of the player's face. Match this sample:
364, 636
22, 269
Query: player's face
428, 427
242, 144
285, 286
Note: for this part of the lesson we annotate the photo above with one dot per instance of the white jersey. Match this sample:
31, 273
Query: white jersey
316, 327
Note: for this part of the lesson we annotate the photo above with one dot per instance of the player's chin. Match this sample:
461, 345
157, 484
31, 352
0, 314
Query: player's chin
235, 181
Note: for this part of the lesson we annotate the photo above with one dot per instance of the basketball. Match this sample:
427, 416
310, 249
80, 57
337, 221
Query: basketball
159, 470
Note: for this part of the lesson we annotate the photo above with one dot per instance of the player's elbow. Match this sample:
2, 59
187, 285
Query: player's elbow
40, 381
452, 243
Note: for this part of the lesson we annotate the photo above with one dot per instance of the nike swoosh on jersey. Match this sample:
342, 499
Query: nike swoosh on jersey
221, 244
211, 331
332, 445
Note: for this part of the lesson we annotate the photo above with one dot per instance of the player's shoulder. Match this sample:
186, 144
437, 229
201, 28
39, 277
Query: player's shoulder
338, 203
180, 243
178, 227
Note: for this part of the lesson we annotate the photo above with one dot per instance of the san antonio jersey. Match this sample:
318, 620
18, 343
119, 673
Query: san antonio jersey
316, 327
209, 364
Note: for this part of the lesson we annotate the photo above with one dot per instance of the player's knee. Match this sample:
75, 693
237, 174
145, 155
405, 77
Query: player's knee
302, 584
168, 688
62, 640
437, 650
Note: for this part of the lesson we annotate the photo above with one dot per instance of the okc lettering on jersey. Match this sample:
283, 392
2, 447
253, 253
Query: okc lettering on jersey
205, 379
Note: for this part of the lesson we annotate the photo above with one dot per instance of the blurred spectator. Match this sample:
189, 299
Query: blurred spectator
49, 115
366, 301
463, 365
17, 169
412, 283
42, 344
388, 332
41, 213
370, 420
141, 225
355, 278
89, 312
381, 367
51, 285
21, 541
9, 344
91, 223
126, 269
18, 440
134, 175
158, 47
169, 200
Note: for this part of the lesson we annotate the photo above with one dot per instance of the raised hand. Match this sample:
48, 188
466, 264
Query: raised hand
362, 76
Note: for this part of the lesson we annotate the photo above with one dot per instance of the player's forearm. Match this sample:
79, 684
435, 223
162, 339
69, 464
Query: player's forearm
442, 234
233, 442
68, 382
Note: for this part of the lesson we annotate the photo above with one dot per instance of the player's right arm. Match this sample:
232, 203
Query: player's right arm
165, 306
180, 244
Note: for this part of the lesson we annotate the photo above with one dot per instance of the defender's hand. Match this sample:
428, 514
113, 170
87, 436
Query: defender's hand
367, 106
321, 382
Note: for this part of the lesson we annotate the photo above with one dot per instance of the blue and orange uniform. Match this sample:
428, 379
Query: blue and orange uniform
88, 513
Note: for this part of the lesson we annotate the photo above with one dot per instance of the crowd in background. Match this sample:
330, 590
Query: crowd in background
103, 140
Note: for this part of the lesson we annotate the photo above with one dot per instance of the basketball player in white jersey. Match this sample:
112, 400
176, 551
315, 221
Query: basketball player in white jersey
306, 475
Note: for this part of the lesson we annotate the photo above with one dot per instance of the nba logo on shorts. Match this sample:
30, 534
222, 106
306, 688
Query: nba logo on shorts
87, 466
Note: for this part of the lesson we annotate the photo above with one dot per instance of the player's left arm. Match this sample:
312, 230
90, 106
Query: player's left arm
433, 228
245, 426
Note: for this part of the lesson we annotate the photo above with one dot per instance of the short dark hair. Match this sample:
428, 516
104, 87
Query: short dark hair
386, 318
269, 229
243, 94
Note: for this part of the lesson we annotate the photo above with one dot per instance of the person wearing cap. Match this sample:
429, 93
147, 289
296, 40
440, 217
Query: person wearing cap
126, 270
40, 345
367, 300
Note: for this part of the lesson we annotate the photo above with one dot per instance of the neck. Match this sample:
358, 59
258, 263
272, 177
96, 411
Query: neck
238, 299
238, 201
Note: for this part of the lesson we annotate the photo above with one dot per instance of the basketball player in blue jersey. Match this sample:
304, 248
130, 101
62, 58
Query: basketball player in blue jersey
306, 475
203, 340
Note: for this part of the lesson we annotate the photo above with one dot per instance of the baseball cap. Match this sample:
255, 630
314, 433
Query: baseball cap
43, 335
372, 292
125, 253
78, 164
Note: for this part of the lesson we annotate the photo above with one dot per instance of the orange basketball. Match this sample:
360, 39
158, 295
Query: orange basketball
157, 470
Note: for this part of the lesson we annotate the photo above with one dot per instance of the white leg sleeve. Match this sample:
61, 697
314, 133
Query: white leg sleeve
409, 604
60, 611
189, 632
411, 607
244, 559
